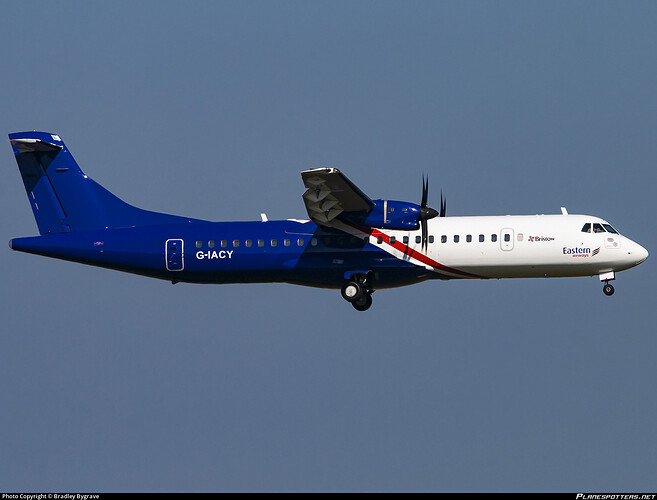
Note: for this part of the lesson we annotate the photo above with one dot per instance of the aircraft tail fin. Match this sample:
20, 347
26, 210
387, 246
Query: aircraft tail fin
63, 198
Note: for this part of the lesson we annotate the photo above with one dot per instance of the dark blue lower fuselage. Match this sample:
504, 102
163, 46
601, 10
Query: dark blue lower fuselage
230, 252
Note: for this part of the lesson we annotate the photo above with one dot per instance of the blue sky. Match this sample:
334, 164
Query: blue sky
113, 382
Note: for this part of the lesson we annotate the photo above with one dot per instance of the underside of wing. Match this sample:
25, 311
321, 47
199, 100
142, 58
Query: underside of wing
330, 194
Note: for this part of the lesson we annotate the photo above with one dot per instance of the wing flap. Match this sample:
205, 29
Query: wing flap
329, 193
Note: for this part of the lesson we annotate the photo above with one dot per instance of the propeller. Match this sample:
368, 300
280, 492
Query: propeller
443, 204
426, 212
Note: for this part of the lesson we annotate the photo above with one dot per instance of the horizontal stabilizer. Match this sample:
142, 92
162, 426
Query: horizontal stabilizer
34, 146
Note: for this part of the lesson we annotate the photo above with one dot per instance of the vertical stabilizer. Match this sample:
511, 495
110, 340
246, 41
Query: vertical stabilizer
63, 198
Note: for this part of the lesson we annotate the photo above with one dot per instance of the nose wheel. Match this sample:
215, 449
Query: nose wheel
607, 289
357, 292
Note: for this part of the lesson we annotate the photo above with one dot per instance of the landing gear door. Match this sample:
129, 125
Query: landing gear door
174, 255
506, 239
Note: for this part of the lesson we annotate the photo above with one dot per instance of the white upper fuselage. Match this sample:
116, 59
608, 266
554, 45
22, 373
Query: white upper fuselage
519, 246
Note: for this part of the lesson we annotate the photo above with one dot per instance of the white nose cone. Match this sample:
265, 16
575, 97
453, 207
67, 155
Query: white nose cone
641, 254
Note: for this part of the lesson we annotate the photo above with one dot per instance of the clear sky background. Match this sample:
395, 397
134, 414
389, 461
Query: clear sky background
114, 382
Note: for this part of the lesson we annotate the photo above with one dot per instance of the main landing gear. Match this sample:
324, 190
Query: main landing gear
608, 289
357, 291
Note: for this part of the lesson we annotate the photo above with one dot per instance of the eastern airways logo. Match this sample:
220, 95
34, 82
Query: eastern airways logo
580, 251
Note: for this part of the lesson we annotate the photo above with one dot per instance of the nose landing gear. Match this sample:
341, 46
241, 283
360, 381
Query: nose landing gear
357, 291
607, 289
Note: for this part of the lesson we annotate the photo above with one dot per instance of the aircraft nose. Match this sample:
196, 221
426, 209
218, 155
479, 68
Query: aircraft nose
641, 254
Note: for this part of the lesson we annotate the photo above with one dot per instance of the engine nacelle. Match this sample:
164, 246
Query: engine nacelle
391, 214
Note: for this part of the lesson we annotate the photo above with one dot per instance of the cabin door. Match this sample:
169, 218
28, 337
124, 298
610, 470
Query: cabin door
506, 239
174, 255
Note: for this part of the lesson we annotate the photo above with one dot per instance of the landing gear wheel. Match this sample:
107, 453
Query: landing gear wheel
364, 303
352, 291
608, 290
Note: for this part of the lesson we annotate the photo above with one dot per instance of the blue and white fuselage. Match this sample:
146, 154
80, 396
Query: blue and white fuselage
351, 242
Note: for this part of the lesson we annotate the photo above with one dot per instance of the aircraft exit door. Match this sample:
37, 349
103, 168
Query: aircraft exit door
506, 239
174, 256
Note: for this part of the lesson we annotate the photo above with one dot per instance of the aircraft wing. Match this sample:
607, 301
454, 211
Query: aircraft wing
330, 194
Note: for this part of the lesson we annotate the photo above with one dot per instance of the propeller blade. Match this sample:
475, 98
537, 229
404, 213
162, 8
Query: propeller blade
425, 191
426, 212
443, 204
425, 235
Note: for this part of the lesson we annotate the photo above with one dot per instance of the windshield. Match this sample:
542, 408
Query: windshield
598, 228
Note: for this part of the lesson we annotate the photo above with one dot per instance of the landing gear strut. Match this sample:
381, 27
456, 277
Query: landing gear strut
357, 291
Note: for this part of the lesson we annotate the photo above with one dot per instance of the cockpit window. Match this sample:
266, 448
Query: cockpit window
587, 228
597, 228
610, 229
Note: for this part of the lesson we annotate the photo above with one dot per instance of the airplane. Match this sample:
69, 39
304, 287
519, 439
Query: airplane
350, 242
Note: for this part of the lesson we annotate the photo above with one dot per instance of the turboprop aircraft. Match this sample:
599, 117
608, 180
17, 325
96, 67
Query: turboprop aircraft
351, 242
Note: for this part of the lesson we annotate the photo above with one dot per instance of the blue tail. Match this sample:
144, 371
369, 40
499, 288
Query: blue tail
63, 199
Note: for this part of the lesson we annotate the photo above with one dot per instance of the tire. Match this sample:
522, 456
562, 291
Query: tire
364, 303
608, 290
352, 291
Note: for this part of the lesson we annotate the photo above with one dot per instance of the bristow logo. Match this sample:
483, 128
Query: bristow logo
540, 238
580, 251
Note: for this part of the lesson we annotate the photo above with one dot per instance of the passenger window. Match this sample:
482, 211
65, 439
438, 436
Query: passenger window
418, 239
481, 238
392, 240
443, 238
405, 240
507, 237
286, 242
211, 244
313, 241
431, 238
379, 239
327, 241
597, 228
468, 238
199, 244
340, 241
586, 228
456, 238
248, 243
224, 243
261, 243
493, 238
520, 236
274, 242
236, 243
300, 242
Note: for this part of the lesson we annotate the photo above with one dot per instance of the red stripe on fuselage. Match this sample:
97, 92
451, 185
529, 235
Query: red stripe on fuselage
406, 250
